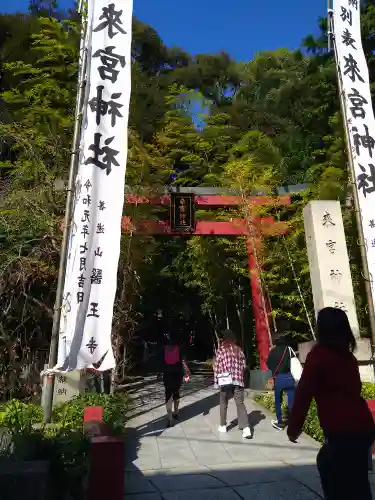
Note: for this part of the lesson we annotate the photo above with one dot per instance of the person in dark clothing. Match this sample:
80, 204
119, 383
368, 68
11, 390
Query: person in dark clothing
279, 363
331, 377
174, 368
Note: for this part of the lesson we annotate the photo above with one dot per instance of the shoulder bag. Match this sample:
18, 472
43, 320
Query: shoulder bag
225, 378
270, 384
295, 366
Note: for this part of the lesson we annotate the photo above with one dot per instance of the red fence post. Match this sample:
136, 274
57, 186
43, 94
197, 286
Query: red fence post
107, 468
371, 406
107, 459
93, 414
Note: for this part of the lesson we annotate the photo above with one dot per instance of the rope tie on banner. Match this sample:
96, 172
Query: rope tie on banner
49, 372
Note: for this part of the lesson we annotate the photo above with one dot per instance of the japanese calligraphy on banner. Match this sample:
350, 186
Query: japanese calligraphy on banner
91, 272
360, 117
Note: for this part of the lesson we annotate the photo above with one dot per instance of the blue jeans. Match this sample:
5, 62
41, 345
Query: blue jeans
284, 382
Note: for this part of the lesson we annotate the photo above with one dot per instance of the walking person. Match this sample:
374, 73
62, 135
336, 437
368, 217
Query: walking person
174, 371
279, 362
331, 377
229, 377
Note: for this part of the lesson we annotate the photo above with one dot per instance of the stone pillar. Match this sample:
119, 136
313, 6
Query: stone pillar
66, 386
330, 275
303, 350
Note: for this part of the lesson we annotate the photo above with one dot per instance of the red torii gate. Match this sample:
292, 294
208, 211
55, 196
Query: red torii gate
260, 227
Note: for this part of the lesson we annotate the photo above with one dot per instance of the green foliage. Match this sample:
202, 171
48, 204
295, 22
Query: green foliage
63, 445
19, 417
115, 411
42, 105
368, 390
66, 452
312, 425
251, 126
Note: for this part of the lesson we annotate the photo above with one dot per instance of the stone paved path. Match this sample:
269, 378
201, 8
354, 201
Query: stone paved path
192, 461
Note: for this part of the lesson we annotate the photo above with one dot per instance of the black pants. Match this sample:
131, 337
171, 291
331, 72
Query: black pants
94, 382
172, 384
238, 393
343, 466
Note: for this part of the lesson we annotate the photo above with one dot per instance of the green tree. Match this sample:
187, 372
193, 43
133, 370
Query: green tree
42, 106
194, 121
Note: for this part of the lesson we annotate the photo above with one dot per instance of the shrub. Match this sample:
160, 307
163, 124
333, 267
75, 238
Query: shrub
18, 417
312, 426
66, 453
115, 411
64, 445
368, 390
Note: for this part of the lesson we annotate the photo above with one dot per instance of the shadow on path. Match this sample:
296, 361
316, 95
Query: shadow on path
151, 396
201, 407
272, 481
183, 462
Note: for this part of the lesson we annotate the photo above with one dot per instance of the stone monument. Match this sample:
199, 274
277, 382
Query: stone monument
330, 274
66, 386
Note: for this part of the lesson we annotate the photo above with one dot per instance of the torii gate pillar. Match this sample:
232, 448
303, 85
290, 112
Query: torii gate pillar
261, 309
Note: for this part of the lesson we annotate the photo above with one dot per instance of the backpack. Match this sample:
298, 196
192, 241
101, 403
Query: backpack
171, 355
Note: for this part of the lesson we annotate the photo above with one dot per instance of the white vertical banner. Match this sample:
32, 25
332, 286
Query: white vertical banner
94, 249
360, 117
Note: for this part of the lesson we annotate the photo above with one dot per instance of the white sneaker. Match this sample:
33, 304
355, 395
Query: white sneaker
222, 428
246, 433
276, 425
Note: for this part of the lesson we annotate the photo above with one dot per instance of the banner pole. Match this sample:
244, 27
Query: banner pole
74, 160
361, 240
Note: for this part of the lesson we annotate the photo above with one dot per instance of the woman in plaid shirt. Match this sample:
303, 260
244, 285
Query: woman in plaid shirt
229, 377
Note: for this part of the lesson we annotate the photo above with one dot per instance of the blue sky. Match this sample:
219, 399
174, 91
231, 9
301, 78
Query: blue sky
207, 26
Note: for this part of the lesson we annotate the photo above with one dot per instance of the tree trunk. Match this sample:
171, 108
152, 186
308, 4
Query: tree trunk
214, 323
240, 314
226, 314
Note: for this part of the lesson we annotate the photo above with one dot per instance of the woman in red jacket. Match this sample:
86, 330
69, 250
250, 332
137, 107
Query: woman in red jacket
331, 377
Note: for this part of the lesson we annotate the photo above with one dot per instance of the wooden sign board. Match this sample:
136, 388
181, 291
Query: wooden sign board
182, 213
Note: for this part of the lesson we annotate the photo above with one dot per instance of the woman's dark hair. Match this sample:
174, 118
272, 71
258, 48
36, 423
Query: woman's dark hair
333, 330
281, 340
229, 339
172, 337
